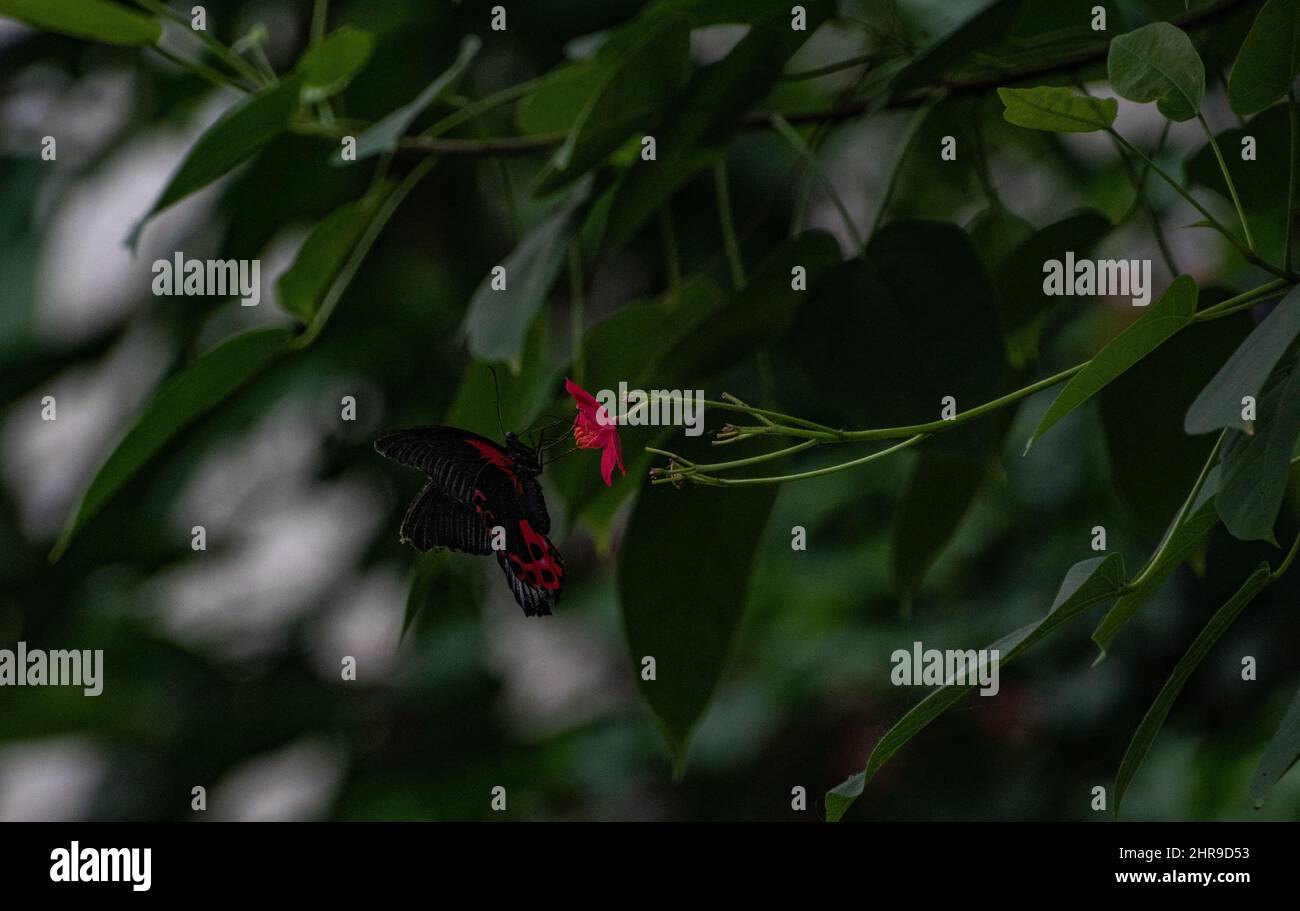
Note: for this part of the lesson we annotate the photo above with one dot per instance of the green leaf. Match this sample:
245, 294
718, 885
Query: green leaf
320, 259
557, 103
1158, 63
1171, 313
1022, 304
384, 135
703, 13
1255, 466
1057, 109
997, 233
94, 20
496, 321
639, 72
1219, 405
882, 342
1153, 463
1155, 717
696, 134
229, 142
755, 316
683, 584
1086, 585
1009, 37
940, 490
327, 68
1186, 538
195, 391
1269, 59
1280, 756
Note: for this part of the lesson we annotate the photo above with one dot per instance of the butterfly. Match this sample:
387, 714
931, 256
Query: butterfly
480, 493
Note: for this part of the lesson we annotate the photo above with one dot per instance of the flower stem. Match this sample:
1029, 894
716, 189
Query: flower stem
711, 481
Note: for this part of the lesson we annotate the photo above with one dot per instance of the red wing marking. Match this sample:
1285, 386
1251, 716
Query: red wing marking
498, 459
540, 569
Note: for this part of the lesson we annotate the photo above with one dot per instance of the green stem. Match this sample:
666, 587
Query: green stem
1290, 187
829, 69
672, 256
1183, 513
1227, 177
964, 416
711, 481
912, 127
1249, 255
359, 252
319, 15
727, 225
216, 77
1290, 558
791, 135
225, 54
1242, 301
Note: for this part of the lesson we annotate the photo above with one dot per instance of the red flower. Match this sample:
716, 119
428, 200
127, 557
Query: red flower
596, 428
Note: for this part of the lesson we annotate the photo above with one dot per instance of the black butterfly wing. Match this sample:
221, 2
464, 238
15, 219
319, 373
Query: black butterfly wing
475, 487
434, 520
532, 564
453, 458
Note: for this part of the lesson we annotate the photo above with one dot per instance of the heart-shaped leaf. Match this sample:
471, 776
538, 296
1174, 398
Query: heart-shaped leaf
1159, 63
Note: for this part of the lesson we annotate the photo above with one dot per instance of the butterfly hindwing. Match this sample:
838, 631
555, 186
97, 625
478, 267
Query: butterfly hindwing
433, 520
532, 565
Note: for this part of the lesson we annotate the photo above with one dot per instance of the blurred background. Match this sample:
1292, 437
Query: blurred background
222, 668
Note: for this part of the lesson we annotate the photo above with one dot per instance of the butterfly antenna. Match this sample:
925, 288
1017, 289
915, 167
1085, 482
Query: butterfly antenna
562, 455
496, 386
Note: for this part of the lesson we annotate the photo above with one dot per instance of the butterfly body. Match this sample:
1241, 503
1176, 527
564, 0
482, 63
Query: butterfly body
479, 490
